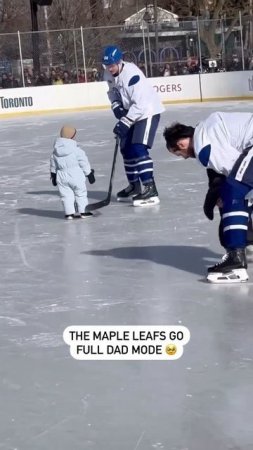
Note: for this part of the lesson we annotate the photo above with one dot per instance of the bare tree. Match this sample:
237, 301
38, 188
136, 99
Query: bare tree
13, 15
211, 14
66, 14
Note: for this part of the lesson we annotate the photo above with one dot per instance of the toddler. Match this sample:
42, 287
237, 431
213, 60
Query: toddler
69, 167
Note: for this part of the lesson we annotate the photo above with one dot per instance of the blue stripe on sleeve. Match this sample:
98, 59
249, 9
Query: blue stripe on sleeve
134, 80
204, 155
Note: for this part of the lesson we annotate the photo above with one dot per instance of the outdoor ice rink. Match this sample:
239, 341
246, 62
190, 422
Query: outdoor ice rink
124, 266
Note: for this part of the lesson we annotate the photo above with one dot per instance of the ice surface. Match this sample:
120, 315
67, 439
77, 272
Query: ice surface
124, 266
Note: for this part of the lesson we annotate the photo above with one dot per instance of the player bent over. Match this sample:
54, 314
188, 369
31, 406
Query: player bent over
137, 107
223, 142
69, 168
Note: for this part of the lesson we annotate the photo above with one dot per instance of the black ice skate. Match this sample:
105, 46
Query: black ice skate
149, 196
85, 215
127, 194
231, 269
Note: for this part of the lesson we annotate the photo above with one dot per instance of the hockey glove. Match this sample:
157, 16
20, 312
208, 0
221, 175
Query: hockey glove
213, 195
91, 177
122, 127
118, 110
53, 179
214, 178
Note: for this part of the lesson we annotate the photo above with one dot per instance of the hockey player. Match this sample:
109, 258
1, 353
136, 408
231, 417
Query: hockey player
223, 142
69, 166
137, 107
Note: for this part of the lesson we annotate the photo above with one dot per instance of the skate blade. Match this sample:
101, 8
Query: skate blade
125, 199
150, 202
235, 276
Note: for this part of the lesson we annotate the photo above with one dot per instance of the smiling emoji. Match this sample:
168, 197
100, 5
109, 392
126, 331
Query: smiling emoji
171, 349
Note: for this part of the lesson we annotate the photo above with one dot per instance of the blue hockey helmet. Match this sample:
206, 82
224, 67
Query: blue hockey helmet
111, 55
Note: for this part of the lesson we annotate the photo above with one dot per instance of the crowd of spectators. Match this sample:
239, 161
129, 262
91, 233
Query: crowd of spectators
56, 76
192, 66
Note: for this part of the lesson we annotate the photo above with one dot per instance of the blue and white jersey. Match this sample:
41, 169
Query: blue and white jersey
220, 139
135, 92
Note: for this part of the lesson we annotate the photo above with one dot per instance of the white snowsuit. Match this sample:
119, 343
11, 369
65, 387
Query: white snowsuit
71, 165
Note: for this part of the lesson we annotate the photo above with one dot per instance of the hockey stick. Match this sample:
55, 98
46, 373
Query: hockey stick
106, 201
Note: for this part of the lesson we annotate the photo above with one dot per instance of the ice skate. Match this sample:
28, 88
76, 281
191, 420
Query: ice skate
70, 216
149, 196
85, 215
127, 194
231, 269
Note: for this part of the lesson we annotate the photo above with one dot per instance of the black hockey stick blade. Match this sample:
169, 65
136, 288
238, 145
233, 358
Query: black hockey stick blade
106, 201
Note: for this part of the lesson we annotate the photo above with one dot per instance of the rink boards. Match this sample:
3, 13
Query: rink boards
75, 97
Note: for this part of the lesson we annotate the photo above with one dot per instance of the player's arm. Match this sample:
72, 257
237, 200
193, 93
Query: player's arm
136, 93
135, 111
112, 93
212, 198
116, 102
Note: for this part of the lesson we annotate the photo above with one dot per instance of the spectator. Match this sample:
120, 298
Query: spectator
193, 65
94, 75
166, 72
160, 71
175, 70
57, 80
52, 75
42, 80
184, 70
66, 77
81, 76
29, 77
8, 82
5, 83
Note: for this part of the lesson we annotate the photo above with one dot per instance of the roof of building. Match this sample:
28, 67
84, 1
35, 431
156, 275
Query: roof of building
148, 15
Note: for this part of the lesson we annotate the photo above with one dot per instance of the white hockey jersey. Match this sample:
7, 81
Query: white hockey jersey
135, 92
221, 138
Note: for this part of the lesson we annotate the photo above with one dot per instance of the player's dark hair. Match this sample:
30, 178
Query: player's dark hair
175, 132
